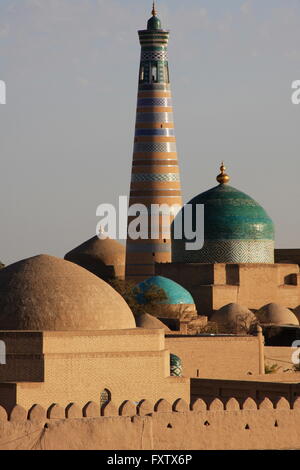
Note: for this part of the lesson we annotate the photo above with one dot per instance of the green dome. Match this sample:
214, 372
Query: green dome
154, 23
175, 366
236, 229
231, 214
175, 293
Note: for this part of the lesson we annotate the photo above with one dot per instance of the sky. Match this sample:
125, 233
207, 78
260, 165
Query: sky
66, 131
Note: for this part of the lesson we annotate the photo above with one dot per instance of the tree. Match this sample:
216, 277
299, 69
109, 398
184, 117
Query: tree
130, 293
271, 368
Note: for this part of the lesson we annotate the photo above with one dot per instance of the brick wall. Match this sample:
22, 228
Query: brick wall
216, 357
78, 366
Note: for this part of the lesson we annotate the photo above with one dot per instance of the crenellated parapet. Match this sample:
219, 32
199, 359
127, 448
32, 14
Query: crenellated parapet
144, 407
145, 425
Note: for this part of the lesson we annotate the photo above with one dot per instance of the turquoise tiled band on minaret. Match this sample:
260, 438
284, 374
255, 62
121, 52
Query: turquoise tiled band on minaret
155, 175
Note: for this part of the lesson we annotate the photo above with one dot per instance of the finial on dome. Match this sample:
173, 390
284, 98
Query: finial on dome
223, 178
154, 12
102, 235
154, 23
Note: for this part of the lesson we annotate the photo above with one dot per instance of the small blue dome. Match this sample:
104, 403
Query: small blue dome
175, 293
175, 366
154, 24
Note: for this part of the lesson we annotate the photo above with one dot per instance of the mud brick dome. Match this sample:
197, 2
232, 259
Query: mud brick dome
48, 293
149, 321
275, 314
234, 316
103, 257
236, 228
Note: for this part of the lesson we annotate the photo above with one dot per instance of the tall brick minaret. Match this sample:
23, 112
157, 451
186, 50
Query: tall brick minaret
155, 175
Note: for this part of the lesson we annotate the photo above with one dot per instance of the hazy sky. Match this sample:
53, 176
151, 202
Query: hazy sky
67, 129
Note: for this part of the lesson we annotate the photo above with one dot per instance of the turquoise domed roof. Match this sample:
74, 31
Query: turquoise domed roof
230, 214
175, 293
236, 228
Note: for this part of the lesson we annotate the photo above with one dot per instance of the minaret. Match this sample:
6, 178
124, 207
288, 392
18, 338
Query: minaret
155, 175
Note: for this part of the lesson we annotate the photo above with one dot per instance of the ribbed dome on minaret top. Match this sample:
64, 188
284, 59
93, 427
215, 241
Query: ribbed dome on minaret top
154, 22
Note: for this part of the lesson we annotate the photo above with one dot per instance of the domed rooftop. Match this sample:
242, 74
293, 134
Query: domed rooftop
149, 321
232, 214
48, 293
175, 293
277, 315
104, 258
234, 316
236, 228
154, 23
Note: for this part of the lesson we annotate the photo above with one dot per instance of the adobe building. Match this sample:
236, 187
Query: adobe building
252, 285
236, 263
69, 336
80, 374
103, 257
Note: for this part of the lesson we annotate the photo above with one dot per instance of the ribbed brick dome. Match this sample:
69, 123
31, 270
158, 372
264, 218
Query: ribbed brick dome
48, 293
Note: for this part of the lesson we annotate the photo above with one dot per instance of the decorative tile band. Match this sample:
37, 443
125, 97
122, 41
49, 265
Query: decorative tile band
154, 102
151, 163
158, 41
225, 251
167, 177
154, 117
159, 132
154, 48
156, 190
154, 55
151, 33
155, 147
154, 42
154, 87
